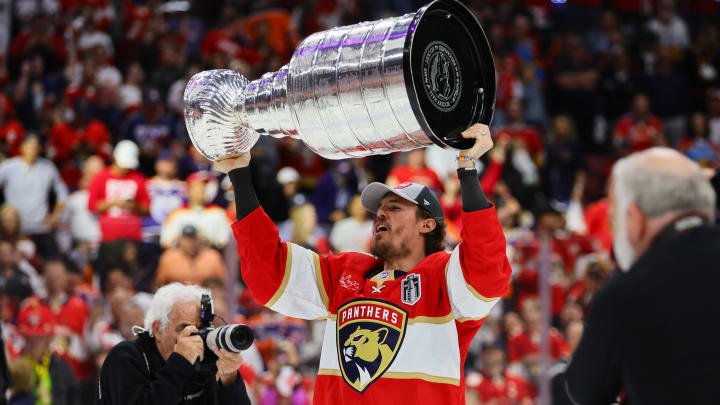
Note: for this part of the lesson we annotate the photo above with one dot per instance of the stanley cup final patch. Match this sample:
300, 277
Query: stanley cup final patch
369, 335
411, 289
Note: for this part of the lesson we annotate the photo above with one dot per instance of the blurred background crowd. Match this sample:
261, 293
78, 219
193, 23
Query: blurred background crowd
105, 199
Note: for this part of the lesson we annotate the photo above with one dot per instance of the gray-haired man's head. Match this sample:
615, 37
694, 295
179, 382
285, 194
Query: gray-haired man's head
651, 189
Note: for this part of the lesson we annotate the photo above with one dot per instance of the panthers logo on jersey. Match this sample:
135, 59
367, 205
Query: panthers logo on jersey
369, 335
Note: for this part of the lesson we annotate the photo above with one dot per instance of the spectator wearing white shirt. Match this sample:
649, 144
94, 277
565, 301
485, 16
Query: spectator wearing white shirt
670, 29
81, 223
130, 92
352, 234
211, 222
27, 182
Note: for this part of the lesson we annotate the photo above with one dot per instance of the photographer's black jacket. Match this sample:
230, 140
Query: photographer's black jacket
134, 372
652, 332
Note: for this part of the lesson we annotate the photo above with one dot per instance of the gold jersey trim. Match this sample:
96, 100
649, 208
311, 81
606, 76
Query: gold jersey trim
286, 278
401, 376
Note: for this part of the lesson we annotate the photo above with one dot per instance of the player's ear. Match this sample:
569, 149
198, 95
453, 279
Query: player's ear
427, 225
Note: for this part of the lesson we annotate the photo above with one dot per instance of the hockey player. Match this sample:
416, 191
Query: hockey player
399, 322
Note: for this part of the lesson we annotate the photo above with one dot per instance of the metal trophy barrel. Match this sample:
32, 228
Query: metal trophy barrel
371, 88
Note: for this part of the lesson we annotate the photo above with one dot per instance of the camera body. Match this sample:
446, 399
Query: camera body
233, 338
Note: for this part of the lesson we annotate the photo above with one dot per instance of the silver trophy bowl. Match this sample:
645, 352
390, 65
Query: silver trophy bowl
371, 88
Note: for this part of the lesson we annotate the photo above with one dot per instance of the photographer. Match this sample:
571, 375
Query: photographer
159, 366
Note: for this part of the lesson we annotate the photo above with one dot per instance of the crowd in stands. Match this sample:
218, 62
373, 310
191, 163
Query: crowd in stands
105, 199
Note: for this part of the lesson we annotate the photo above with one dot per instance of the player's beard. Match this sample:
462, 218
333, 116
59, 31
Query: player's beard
386, 251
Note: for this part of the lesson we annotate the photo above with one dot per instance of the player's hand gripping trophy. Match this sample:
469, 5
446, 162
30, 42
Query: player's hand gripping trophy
371, 88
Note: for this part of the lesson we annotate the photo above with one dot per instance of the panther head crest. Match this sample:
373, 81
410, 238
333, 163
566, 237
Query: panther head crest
366, 349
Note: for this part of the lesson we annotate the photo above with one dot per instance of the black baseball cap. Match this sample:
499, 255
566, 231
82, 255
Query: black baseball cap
417, 194
189, 231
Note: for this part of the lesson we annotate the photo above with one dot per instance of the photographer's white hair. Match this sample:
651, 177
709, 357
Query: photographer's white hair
164, 299
657, 188
659, 181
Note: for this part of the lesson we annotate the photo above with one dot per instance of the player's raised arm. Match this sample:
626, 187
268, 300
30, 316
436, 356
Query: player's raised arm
478, 272
282, 276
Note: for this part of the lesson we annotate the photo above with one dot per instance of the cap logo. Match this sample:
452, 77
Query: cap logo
403, 185
426, 202
34, 320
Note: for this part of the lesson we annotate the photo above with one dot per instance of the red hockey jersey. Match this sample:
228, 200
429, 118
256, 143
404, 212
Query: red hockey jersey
387, 341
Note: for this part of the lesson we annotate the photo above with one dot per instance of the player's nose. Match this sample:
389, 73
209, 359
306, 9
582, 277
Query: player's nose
381, 215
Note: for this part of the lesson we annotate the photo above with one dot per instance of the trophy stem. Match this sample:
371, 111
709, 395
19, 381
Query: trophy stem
266, 105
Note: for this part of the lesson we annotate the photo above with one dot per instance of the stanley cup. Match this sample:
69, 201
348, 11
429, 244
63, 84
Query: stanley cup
371, 88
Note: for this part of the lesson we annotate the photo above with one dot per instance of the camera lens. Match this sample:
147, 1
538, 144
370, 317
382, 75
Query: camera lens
233, 338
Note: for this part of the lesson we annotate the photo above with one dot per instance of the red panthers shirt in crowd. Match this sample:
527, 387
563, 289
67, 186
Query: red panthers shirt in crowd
510, 390
529, 136
71, 317
528, 343
393, 338
598, 223
217, 41
117, 222
65, 138
12, 133
409, 174
638, 135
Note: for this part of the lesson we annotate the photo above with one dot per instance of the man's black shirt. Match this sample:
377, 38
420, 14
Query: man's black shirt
651, 332
134, 372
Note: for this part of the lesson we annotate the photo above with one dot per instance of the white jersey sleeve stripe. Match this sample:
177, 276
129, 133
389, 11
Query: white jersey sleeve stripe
466, 302
319, 280
299, 295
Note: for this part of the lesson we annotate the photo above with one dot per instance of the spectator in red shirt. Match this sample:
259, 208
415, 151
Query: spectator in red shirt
220, 46
517, 129
524, 347
12, 131
71, 313
118, 194
415, 171
81, 137
595, 276
275, 28
509, 83
53, 378
496, 385
39, 36
639, 129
